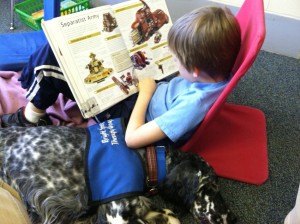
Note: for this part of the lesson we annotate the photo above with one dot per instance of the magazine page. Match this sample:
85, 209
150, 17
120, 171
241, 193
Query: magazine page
144, 25
93, 57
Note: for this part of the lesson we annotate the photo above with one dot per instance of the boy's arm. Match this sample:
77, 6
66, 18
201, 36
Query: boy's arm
139, 133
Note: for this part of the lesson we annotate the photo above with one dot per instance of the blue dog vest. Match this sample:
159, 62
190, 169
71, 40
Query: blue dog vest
113, 170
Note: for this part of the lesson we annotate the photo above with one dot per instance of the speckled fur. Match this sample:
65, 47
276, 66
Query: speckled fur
45, 165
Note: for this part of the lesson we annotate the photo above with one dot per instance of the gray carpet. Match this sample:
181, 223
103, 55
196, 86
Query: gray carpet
272, 85
5, 19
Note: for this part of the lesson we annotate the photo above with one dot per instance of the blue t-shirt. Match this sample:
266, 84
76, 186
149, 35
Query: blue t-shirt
179, 106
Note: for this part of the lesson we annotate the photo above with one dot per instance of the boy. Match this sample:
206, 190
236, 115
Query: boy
205, 44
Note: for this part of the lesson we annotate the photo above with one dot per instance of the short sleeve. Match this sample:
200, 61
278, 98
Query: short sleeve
184, 116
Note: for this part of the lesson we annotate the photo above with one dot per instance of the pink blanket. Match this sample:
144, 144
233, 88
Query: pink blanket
12, 97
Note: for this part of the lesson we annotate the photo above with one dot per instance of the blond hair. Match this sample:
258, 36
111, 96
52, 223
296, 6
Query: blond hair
207, 38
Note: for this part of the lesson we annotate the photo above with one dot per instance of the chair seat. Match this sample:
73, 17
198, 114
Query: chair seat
235, 144
16, 48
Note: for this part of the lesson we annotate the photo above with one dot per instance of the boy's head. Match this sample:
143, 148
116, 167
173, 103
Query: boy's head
207, 38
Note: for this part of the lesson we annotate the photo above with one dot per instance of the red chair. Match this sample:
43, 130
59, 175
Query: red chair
232, 138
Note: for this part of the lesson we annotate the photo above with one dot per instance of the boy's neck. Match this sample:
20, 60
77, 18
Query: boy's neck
203, 77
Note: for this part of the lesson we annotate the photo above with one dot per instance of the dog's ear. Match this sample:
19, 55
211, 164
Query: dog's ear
183, 182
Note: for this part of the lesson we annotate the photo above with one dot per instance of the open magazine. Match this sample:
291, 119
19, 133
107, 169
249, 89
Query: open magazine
104, 51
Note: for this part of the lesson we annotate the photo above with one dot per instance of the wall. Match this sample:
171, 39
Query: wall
282, 21
287, 8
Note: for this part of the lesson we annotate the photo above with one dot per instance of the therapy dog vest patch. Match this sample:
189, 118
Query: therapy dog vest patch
113, 170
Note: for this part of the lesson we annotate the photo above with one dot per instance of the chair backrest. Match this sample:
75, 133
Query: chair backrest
251, 19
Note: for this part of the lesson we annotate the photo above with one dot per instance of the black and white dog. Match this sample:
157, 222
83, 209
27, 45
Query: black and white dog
46, 166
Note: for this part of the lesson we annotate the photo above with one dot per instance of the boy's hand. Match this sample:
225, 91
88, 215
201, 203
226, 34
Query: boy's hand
147, 86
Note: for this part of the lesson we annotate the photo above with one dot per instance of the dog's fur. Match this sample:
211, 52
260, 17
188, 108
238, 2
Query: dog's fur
45, 165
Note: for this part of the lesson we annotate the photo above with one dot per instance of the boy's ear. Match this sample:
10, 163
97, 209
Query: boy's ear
196, 72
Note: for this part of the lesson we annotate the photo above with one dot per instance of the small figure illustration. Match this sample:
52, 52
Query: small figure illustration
125, 88
147, 23
160, 66
95, 65
97, 72
139, 60
109, 22
129, 79
157, 37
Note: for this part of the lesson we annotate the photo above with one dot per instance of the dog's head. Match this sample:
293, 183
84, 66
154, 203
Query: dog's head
193, 181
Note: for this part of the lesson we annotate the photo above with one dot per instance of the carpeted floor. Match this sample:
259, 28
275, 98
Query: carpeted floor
272, 85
